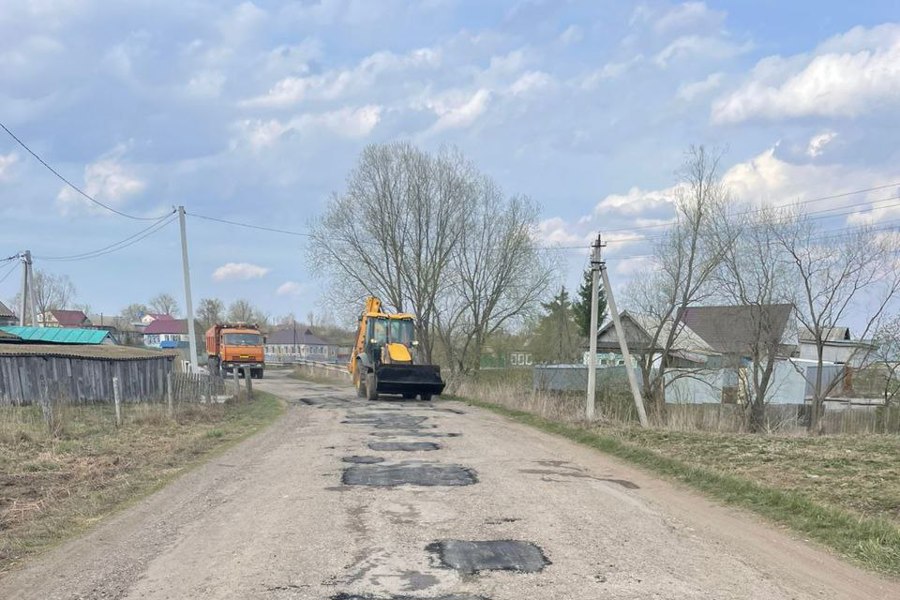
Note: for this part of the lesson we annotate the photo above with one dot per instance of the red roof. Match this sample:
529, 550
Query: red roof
167, 326
69, 318
160, 316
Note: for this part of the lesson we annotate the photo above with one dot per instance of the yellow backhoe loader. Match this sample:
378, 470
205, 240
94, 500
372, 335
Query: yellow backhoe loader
382, 361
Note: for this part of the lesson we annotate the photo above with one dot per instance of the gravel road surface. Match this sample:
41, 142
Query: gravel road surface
348, 500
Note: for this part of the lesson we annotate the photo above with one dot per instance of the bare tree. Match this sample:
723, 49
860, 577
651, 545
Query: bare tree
165, 304
886, 363
394, 230
684, 262
210, 311
241, 311
51, 292
134, 312
499, 274
754, 274
838, 276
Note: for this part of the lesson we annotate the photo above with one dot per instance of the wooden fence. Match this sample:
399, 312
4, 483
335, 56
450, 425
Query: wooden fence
42, 378
194, 387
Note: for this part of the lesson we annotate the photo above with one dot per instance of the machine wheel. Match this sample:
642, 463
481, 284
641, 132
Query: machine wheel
409, 396
358, 382
426, 397
371, 387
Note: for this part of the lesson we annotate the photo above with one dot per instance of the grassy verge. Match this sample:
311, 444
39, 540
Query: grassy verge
871, 541
53, 487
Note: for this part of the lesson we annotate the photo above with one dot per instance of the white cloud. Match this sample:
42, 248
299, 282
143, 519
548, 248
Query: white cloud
335, 84
711, 47
530, 82
239, 271
6, 163
206, 84
847, 76
572, 35
345, 122
818, 142
290, 288
689, 15
456, 112
611, 70
690, 91
106, 180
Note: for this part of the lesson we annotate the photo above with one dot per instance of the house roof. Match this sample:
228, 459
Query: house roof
58, 335
76, 351
169, 326
733, 329
5, 311
69, 318
687, 342
7, 337
303, 336
829, 334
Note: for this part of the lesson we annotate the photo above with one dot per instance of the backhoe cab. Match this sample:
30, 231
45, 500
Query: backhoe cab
383, 359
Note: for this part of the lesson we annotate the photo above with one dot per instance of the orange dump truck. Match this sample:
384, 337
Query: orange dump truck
236, 346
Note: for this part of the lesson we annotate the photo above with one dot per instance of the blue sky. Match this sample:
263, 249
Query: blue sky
255, 112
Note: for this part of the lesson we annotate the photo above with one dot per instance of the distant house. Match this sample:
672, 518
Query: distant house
151, 317
286, 344
733, 331
7, 317
170, 333
838, 347
60, 335
126, 333
689, 350
64, 318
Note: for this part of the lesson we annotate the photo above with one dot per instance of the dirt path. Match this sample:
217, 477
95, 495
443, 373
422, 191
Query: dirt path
282, 516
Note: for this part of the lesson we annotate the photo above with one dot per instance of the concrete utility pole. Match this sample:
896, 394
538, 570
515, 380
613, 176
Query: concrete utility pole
592, 358
623, 346
192, 337
24, 301
27, 290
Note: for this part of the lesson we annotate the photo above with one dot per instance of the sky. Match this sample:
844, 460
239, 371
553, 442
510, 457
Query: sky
256, 111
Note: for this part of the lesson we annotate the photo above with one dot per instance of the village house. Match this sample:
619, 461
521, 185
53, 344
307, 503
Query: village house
63, 318
291, 344
171, 333
7, 317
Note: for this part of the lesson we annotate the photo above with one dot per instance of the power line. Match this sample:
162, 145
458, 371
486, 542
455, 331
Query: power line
72, 185
248, 225
758, 210
8, 272
120, 245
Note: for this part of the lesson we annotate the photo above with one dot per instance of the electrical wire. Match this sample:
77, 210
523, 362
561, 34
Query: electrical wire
247, 225
8, 272
120, 245
72, 185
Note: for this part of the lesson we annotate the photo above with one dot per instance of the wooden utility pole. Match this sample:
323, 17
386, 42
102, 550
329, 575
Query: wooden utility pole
117, 397
623, 346
592, 358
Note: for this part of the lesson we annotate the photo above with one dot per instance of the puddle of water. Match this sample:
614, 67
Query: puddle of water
409, 473
403, 446
494, 555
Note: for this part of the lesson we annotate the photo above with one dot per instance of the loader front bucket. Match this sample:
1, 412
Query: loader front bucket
409, 380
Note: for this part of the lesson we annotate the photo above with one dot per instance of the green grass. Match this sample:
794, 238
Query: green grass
871, 541
55, 486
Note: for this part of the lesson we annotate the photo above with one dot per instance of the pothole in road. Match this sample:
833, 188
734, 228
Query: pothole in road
371, 597
403, 446
409, 473
494, 555
363, 460
414, 433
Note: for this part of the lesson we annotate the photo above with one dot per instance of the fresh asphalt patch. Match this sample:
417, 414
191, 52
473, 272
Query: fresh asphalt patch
409, 473
414, 433
403, 446
495, 555
371, 597
363, 460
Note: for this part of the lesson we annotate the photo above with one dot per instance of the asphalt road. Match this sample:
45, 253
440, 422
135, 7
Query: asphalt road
349, 500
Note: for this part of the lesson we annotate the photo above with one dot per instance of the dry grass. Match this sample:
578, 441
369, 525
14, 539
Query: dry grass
53, 485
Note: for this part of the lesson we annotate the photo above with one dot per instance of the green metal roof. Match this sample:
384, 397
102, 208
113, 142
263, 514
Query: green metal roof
58, 335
